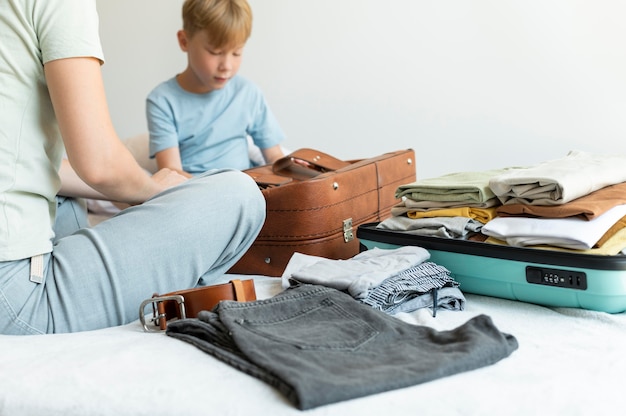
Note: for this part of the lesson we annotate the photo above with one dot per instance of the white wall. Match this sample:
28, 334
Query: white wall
468, 84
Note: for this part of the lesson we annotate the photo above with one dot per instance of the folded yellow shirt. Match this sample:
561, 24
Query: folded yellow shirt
479, 214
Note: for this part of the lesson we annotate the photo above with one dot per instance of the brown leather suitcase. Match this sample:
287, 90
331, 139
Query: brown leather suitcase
315, 203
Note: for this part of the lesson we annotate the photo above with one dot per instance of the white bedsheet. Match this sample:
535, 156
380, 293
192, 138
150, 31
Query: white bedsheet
569, 361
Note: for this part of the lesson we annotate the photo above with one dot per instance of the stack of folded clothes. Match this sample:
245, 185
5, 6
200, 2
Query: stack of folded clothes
450, 206
577, 202
389, 280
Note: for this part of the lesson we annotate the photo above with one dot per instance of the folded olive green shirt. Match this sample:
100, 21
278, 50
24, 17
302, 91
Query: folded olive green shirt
466, 187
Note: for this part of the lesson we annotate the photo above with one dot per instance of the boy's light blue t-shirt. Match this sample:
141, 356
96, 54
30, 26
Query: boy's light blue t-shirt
211, 129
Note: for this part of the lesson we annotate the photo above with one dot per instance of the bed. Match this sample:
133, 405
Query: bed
569, 361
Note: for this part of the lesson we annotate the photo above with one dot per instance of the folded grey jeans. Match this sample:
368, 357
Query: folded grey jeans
318, 345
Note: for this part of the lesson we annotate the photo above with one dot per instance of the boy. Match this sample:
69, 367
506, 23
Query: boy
201, 118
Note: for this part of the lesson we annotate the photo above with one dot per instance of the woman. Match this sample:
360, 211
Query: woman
179, 233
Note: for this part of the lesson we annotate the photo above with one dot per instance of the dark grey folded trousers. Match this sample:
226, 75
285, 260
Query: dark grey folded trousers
318, 345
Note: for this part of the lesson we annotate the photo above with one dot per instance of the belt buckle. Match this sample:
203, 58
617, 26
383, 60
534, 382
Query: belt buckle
157, 316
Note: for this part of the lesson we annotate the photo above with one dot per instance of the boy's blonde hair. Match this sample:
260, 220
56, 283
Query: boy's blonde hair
228, 23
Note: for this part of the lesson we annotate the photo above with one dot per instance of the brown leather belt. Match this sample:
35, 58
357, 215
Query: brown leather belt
187, 303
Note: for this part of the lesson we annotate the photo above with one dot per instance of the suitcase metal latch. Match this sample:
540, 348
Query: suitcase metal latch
348, 235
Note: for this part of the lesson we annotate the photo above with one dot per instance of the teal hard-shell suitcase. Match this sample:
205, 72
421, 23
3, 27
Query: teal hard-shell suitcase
545, 277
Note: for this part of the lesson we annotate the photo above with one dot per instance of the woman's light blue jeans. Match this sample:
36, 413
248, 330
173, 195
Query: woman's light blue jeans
98, 276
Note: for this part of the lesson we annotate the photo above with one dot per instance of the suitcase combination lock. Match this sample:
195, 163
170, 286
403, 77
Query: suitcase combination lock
554, 277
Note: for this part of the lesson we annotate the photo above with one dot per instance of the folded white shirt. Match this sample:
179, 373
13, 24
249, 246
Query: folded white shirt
573, 233
357, 275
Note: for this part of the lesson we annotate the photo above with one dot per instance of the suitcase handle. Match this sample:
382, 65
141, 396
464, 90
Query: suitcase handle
306, 163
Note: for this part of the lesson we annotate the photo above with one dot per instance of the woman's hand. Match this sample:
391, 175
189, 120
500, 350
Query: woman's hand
167, 178
72, 185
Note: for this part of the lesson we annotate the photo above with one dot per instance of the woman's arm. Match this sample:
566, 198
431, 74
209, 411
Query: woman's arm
73, 185
93, 148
